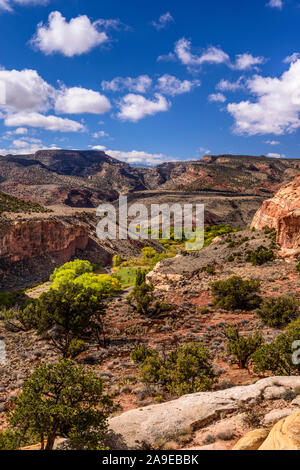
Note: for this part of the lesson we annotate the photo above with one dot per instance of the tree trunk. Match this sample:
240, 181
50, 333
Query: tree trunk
50, 442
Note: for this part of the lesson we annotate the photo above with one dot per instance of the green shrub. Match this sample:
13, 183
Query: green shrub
242, 347
210, 270
277, 357
76, 347
235, 293
75, 313
148, 252
216, 230
141, 297
9, 299
187, 369
126, 276
141, 353
260, 256
9, 440
102, 284
61, 400
29, 317
298, 267
278, 311
13, 204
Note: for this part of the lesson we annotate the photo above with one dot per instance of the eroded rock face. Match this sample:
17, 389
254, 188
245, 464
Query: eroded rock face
31, 238
143, 427
32, 246
282, 212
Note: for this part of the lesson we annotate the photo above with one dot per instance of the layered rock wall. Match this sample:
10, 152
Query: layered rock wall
282, 212
22, 239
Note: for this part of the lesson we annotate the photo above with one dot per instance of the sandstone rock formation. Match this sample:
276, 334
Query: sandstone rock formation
143, 427
252, 440
282, 212
285, 435
60, 237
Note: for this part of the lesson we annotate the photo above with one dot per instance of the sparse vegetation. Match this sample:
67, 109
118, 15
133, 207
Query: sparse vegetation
141, 297
235, 293
279, 356
187, 369
216, 231
13, 204
278, 311
242, 347
11, 298
260, 256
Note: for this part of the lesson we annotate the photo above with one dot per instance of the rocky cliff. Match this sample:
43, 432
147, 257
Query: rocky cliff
282, 212
32, 245
57, 237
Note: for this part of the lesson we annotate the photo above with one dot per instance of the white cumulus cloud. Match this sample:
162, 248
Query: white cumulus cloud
247, 61
51, 123
79, 100
9, 4
163, 21
292, 58
217, 97
99, 134
25, 90
226, 85
276, 155
170, 85
276, 105
75, 37
138, 84
275, 4
135, 107
211, 55
272, 142
135, 156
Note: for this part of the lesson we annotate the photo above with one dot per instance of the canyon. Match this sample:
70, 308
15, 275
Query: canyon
67, 186
48, 217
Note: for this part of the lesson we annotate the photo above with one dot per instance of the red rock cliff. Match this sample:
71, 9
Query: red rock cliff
282, 212
58, 237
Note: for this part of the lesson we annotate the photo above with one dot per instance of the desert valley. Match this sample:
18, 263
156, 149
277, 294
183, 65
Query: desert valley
229, 309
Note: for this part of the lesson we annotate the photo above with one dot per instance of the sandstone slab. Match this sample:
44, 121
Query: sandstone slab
143, 427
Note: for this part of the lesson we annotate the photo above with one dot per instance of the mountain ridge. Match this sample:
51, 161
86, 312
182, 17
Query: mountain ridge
85, 178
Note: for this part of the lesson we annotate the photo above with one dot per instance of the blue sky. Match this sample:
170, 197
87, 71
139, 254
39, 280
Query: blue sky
151, 81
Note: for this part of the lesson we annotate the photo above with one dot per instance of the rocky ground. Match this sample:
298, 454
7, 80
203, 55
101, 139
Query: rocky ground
183, 282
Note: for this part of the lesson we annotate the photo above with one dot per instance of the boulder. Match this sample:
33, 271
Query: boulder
252, 440
143, 427
276, 415
274, 392
285, 435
